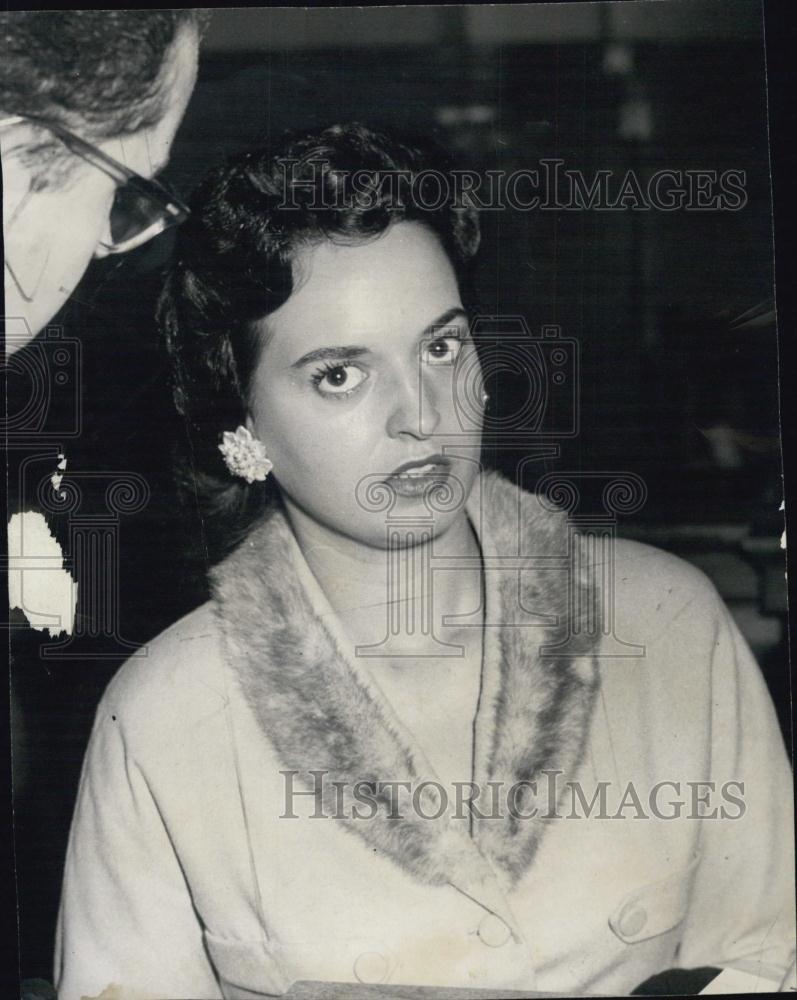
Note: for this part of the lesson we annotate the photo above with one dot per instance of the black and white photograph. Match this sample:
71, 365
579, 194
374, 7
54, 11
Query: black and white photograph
396, 539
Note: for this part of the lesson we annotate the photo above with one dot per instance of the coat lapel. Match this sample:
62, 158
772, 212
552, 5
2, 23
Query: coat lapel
540, 673
317, 708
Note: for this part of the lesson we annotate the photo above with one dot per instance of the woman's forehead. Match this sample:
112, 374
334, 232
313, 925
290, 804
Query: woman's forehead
404, 272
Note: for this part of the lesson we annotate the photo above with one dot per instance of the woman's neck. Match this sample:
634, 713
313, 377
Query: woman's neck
361, 581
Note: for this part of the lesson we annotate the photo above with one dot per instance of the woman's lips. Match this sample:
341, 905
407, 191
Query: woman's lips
413, 479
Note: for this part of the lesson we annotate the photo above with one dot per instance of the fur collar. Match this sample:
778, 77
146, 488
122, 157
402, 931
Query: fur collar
316, 706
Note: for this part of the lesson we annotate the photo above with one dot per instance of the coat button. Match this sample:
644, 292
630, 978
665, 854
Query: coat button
632, 921
493, 931
371, 967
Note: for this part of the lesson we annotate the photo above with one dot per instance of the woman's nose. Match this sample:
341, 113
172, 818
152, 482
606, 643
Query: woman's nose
415, 412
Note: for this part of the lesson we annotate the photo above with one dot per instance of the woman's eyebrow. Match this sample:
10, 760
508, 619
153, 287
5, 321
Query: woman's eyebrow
444, 320
330, 354
345, 352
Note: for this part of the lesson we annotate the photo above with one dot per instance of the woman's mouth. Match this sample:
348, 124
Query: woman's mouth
413, 479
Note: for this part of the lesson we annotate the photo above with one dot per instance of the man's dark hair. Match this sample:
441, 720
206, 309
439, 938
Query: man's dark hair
97, 72
234, 267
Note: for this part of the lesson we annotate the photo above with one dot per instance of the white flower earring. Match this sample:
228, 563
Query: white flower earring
245, 456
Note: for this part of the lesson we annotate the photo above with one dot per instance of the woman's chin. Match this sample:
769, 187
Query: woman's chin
412, 524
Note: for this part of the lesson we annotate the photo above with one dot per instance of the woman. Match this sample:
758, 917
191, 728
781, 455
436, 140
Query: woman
356, 761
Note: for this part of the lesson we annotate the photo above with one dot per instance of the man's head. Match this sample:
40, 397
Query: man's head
119, 80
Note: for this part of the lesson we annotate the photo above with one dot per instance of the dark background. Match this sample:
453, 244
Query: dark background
653, 300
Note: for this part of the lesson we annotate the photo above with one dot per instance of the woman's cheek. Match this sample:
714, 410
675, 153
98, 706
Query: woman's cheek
303, 431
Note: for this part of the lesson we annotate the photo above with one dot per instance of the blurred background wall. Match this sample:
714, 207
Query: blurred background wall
670, 312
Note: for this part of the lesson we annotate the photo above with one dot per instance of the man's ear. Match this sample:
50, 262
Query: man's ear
17, 135
18, 176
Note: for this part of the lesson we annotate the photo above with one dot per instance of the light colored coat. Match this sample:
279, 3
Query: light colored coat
186, 878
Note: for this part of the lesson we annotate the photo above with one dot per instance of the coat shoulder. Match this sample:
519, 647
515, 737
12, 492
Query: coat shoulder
653, 575
177, 677
644, 579
656, 597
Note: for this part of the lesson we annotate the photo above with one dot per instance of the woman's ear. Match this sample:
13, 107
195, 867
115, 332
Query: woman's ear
250, 425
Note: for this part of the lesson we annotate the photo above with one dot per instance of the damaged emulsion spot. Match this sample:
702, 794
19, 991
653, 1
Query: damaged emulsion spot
57, 477
38, 583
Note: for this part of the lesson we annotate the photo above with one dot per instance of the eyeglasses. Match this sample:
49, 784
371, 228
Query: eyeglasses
142, 207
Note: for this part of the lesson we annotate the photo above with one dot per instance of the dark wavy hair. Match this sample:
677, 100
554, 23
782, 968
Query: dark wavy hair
234, 266
95, 71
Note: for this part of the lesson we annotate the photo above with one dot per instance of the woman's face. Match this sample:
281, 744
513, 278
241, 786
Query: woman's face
357, 384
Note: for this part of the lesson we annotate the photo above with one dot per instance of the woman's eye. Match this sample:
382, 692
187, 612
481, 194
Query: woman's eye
443, 350
338, 380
